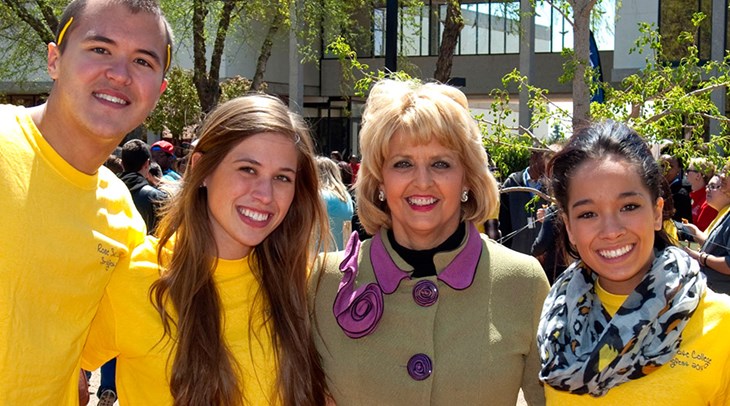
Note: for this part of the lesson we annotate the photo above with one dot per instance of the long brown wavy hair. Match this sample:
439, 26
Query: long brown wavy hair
204, 371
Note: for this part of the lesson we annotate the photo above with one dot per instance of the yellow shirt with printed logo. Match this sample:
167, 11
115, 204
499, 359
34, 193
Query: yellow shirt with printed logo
63, 234
698, 375
128, 327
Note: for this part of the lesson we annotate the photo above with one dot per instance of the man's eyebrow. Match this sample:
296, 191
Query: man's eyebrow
107, 40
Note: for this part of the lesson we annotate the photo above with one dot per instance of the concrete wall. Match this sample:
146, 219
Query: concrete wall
627, 32
482, 72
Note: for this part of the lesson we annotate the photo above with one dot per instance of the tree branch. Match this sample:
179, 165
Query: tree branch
48, 15
36, 24
220, 38
693, 93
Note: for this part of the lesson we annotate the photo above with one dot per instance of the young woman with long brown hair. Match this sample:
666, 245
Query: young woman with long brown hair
215, 311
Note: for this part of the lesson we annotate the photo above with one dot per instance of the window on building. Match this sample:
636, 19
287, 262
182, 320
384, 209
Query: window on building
675, 16
379, 32
490, 27
553, 32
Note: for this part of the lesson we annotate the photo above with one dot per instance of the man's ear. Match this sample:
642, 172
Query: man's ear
54, 54
163, 86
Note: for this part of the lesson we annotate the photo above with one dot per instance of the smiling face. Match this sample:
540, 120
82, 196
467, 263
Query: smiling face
611, 219
250, 191
423, 186
110, 74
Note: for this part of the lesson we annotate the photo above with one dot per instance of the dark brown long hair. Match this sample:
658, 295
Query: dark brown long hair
204, 371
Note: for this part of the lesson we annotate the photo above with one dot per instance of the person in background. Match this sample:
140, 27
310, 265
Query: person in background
547, 244
714, 254
354, 167
154, 174
147, 198
164, 154
674, 174
427, 311
631, 322
518, 223
214, 312
337, 199
68, 222
698, 173
114, 163
345, 170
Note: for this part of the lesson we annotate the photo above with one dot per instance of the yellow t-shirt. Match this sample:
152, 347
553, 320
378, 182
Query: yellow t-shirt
128, 327
63, 233
698, 375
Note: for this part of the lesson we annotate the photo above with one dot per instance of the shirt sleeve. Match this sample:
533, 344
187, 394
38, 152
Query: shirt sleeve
100, 344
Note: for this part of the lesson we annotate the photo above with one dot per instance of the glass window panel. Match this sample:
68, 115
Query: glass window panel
558, 32
543, 27
482, 28
603, 29
410, 39
675, 16
425, 26
512, 24
379, 32
497, 31
468, 35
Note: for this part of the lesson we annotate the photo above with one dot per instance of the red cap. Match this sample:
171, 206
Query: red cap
164, 146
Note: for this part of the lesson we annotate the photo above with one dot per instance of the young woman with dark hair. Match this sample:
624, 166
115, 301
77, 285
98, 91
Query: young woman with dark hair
632, 320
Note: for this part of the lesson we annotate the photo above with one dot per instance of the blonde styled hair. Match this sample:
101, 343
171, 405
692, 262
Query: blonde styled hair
330, 178
422, 112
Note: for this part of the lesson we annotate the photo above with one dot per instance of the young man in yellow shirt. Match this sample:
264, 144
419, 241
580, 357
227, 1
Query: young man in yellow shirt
68, 222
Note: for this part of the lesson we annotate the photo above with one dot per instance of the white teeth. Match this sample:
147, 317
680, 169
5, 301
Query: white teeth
615, 253
421, 201
254, 215
111, 98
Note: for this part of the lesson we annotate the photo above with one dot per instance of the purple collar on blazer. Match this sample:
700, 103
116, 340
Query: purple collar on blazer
358, 310
459, 274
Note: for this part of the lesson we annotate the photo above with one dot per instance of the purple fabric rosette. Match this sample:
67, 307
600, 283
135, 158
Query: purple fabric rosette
357, 311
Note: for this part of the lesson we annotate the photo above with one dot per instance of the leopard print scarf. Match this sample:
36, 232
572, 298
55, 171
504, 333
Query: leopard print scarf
585, 351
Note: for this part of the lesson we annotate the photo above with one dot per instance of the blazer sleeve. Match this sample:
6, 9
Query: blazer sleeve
532, 388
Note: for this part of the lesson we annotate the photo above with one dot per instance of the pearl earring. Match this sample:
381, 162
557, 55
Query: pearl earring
464, 196
381, 196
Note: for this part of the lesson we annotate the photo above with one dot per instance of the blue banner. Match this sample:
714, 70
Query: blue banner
595, 63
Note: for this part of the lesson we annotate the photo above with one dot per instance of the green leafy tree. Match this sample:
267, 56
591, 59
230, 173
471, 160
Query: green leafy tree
179, 111
179, 106
25, 29
668, 103
579, 14
27, 26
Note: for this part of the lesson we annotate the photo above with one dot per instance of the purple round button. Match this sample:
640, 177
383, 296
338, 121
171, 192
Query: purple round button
419, 367
425, 293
